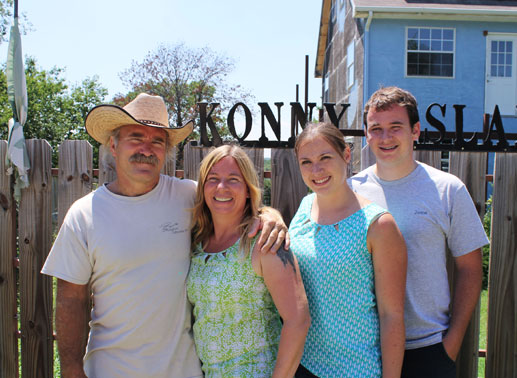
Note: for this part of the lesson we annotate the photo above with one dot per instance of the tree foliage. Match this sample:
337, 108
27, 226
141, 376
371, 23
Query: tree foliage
6, 14
55, 111
184, 76
5, 18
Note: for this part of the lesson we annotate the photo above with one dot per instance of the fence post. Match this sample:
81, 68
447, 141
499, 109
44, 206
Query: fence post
75, 180
8, 318
192, 156
106, 165
75, 174
169, 168
501, 358
470, 167
432, 158
35, 235
287, 186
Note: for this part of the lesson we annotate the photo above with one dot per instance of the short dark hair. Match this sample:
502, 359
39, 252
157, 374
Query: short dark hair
385, 98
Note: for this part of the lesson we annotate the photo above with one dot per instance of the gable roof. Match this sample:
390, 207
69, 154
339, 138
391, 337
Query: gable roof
466, 10
483, 10
322, 37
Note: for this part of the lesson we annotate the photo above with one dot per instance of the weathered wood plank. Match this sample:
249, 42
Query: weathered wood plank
169, 168
106, 166
501, 360
192, 157
367, 157
287, 186
8, 323
35, 235
75, 175
470, 167
75, 180
432, 158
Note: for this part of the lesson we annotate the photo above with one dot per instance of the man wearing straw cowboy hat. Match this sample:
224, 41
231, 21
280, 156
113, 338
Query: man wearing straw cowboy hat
130, 240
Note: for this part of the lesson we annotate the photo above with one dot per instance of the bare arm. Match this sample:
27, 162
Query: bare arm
282, 278
70, 319
389, 255
468, 279
274, 230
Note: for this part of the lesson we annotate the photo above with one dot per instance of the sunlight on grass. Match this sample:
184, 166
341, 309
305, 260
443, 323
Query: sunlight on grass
482, 331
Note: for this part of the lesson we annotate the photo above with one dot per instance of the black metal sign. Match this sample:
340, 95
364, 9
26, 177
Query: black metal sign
491, 138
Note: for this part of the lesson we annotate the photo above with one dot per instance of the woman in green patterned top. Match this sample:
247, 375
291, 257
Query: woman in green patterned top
238, 293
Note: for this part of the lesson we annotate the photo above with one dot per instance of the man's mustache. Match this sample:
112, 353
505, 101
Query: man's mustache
140, 158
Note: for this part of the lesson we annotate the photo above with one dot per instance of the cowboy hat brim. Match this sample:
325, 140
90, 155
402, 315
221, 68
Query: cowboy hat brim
102, 120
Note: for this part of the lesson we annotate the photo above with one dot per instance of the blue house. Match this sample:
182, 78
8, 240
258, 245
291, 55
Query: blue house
445, 52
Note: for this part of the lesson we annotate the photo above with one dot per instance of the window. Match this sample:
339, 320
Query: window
501, 58
350, 57
430, 52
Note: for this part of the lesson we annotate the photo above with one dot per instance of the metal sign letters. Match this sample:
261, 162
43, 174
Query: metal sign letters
491, 138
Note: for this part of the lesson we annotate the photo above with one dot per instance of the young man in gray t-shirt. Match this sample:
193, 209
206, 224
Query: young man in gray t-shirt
434, 212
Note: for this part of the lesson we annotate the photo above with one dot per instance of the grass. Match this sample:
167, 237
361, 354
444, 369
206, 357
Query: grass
482, 331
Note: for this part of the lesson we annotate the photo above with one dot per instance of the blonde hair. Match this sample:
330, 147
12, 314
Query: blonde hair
202, 227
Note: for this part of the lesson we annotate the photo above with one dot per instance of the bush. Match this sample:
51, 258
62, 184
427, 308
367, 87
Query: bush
487, 220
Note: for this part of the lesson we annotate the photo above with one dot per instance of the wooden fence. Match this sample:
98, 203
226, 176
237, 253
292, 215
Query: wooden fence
27, 232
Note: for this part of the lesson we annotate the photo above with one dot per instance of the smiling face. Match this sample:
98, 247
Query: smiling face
390, 137
323, 169
139, 153
225, 189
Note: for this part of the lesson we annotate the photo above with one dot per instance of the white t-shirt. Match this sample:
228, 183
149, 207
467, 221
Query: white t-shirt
434, 211
135, 252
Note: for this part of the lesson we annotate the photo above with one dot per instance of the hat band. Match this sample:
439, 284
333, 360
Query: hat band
150, 122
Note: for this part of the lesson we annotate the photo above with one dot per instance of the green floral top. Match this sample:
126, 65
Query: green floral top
237, 326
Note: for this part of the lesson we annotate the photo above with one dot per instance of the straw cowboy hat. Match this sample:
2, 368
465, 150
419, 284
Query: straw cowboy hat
144, 110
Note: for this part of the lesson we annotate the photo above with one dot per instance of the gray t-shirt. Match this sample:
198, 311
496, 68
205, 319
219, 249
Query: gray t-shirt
135, 252
434, 211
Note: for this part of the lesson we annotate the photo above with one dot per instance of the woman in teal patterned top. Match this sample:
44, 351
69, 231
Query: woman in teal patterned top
353, 263
235, 289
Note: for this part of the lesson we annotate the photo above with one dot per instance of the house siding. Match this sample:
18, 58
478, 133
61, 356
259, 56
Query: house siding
387, 67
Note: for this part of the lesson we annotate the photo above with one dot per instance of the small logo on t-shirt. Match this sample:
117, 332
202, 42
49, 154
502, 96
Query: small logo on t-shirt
420, 212
172, 227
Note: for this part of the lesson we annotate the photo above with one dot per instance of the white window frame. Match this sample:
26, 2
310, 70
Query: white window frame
453, 52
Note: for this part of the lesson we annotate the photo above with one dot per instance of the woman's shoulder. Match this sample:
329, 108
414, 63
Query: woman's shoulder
304, 210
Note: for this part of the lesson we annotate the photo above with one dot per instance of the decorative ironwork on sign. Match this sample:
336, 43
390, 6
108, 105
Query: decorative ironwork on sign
491, 138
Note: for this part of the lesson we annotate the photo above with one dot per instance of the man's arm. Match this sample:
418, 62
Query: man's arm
70, 319
274, 230
468, 277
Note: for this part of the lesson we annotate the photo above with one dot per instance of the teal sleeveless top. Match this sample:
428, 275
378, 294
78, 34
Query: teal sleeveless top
337, 271
237, 326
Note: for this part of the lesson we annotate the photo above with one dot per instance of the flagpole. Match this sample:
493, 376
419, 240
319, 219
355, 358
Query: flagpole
15, 8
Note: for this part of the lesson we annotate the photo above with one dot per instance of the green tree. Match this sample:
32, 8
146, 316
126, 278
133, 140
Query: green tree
55, 111
184, 76
6, 17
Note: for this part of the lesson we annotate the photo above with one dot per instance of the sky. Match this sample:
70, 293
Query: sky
268, 40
